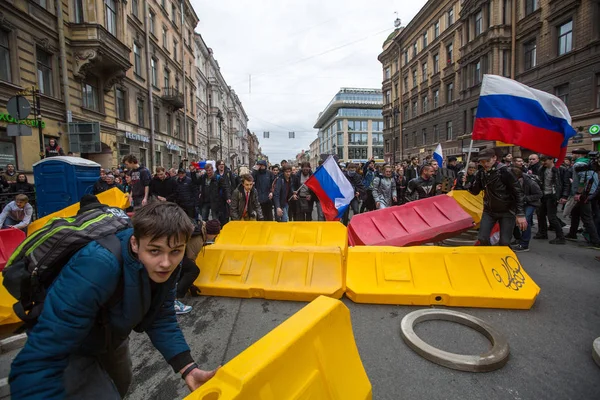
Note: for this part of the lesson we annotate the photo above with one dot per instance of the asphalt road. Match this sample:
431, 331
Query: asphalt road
550, 344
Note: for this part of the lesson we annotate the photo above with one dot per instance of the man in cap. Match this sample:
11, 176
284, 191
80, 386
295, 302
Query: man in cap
503, 199
263, 183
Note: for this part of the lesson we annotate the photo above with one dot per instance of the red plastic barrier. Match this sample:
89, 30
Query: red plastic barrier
418, 222
10, 239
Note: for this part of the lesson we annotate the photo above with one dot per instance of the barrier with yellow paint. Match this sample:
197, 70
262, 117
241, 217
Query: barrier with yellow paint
471, 204
7, 314
113, 197
312, 355
299, 273
488, 277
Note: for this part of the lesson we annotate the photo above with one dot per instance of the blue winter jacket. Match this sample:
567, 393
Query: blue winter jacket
69, 323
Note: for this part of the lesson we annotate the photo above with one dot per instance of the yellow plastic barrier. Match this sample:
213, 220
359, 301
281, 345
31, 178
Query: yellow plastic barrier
328, 234
473, 205
271, 272
113, 197
7, 315
312, 355
489, 277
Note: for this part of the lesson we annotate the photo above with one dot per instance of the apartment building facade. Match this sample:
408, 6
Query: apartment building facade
351, 125
448, 47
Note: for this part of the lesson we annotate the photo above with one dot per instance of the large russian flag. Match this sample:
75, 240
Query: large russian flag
332, 188
513, 113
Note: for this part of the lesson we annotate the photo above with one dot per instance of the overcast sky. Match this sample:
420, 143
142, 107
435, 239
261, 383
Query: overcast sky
299, 54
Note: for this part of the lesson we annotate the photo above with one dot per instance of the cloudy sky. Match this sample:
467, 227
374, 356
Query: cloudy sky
298, 54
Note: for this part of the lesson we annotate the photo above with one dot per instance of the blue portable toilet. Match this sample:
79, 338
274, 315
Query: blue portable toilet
62, 181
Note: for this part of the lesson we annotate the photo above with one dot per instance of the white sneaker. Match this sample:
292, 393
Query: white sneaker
181, 308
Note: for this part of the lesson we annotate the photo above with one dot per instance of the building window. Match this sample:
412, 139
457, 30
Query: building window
565, 38
89, 94
78, 11
435, 134
529, 49
506, 11
151, 25
121, 104
405, 57
598, 91
164, 37
531, 6
44, 72
415, 51
424, 67
405, 86
477, 72
157, 119
405, 113
135, 8
110, 10
42, 3
169, 125
414, 78
178, 128
388, 97
449, 50
177, 83
175, 43
167, 78
506, 57
436, 30
424, 136
436, 98
450, 92
174, 13
154, 71
405, 141
387, 73
450, 16
5, 69
140, 112
449, 130
562, 92
425, 39
137, 59
478, 23
425, 103
414, 109
436, 63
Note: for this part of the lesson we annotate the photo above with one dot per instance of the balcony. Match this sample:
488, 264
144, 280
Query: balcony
173, 96
99, 53
214, 144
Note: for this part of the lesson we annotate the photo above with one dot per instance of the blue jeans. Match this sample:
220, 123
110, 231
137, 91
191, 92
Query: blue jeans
204, 211
320, 216
284, 217
526, 235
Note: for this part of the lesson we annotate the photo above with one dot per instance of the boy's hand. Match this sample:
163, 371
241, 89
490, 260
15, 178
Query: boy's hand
198, 377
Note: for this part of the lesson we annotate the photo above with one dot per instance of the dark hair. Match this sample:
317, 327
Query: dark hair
219, 162
160, 169
350, 165
426, 166
414, 158
162, 219
286, 168
518, 172
305, 164
130, 158
283, 162
452, 158
247, 178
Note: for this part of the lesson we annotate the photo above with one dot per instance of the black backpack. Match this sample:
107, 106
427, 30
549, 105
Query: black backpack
36, 263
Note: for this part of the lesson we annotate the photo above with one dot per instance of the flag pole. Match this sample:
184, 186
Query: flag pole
468, 156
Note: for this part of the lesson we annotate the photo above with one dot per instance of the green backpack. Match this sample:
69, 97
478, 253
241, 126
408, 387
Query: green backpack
36, 263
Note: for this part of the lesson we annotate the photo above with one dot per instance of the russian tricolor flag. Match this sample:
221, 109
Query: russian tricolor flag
513, 113
332, 188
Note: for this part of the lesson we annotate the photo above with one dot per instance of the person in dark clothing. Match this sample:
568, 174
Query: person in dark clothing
452, 165
21, 186
444, 178
423, 186
282, 194
228, 185
54, 149
534, 164
100, 185
369, 175
503, 200
464, 182
304, 196
401, 184
140, 181
71, 344
360, 192
244, 201
552, 188
263, 183
532, 195
214, 193
414, 170
161, 187
186, 194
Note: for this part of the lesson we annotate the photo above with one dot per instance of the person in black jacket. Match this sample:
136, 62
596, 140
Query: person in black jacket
360, 192
100, 185
282, 194
423, 186
532, 194
162, 187
185, 194
414, 170
552, 188
263, 183
53, 149
503, 199
22, 186
304, 196
464, 179
214, 193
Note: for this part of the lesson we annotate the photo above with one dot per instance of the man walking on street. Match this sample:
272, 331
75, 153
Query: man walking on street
384, 189
263, 183
140, 181
552, 189
244, 201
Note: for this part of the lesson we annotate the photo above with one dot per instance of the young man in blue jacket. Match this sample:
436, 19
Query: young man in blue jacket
79, 347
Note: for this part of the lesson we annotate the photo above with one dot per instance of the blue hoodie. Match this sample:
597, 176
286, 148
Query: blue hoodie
69, 322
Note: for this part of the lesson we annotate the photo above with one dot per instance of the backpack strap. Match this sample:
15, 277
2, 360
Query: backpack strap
112, 244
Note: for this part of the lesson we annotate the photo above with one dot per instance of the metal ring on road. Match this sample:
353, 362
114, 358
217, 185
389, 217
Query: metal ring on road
490, 361
596, 350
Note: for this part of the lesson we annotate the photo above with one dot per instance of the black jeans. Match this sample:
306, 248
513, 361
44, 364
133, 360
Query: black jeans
354, 206
189, 273
549, 209
488, 220
267, 210
583, 211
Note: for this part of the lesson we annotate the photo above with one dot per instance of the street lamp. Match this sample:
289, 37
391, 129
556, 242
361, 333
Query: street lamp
220, 118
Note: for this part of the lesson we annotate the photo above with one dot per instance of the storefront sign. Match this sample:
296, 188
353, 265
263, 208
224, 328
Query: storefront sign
473, 150
172, 146
29, 122
136, 136
594, 129
191, 151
